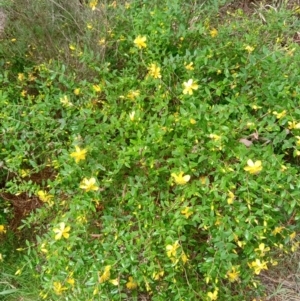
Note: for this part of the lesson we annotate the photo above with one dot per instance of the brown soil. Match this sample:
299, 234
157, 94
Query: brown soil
22, 204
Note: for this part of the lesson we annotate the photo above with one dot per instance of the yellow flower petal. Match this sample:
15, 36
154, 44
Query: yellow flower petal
79, 154
2, 229
62, 231
180, 179
106, 274
58, 288
154, 71
186, 212
213, 33
253, 167
189, 66
89, 184
131, 284
233, 274
131, 115
114, 281
189, 86
140, 42
213, 295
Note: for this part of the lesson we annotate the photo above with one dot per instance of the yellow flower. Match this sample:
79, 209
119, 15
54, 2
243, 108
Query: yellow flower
131, 284
257, 266
213, 296
72, 47
31, 77
96, 88
88, 184
184, 258
71, 281
262, 249
2, 229
1, 257
189, 86
192, 121
106, 274
93, 4
255, 107
43, 248
79, 154
45, 197
249, 48
140, 42
277, 230
186, 212
131, 115
101, 41
21, 76
58, 288
77, 91
154, 71
292, 235
279, 115
65, 101
180, 179
293, 125
283, 167
213, 33
231, 197
253, 168
189, 66
114, 281
132, 94
96, 291
62, 231
214, 137
203, 180
158, 275
148, 288
24, 173
233, 274
172, 249
241, 243
82, 219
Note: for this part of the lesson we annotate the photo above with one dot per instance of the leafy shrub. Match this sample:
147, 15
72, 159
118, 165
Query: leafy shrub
172, 171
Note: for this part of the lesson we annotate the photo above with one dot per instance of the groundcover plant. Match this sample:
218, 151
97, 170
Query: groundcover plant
149, 150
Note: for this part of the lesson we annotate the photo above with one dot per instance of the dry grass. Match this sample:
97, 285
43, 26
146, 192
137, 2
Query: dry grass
2, 22
282, 282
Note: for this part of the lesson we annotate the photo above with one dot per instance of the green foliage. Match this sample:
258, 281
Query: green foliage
170, 169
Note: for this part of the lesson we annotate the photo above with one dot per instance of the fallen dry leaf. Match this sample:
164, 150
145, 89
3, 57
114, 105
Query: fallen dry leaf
246, 142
